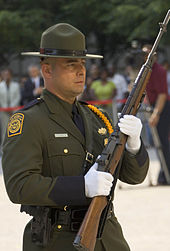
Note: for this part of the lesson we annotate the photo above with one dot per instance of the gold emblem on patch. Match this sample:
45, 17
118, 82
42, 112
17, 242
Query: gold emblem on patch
105, 141
102, 131
15, 124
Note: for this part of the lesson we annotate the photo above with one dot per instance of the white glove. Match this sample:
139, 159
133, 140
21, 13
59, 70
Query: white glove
131, 126
97, 183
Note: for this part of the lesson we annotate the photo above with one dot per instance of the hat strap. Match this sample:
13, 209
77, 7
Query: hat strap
59, 52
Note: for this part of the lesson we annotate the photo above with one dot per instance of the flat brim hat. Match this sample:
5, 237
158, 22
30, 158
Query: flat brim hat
62, 41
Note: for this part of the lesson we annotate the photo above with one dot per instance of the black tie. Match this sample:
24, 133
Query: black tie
78, 119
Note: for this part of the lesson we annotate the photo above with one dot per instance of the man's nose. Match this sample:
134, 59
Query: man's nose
80, 69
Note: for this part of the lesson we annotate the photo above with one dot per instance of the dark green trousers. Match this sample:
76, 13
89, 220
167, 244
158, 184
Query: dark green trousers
112, 239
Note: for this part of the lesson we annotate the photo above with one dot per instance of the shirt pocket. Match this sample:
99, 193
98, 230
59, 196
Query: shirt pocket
66, 157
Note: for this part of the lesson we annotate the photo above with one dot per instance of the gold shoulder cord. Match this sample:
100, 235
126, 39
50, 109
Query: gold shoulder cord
103, 117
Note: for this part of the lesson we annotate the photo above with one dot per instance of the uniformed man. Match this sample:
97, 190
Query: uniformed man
51, 146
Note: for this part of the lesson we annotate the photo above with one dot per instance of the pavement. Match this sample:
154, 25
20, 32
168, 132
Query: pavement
143, 211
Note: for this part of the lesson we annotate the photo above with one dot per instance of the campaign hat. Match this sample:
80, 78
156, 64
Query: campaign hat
62, 41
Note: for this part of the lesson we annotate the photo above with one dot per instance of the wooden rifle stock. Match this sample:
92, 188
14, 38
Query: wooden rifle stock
89, 226
86, 237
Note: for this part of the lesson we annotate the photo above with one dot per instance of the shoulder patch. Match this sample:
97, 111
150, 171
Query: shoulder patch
15, 124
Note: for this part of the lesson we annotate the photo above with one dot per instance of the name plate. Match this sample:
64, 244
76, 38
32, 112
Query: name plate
60, 135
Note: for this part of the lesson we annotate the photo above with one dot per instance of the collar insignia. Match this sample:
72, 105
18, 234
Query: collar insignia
102, 131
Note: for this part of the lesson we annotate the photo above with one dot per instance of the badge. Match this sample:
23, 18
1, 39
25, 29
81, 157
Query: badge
102, 131
105, 141
15, 124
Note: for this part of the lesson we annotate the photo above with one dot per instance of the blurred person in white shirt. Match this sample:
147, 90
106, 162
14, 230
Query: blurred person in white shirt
9, 98
121, 85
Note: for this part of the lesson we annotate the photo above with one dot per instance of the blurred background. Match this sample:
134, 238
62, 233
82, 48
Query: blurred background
118, 30
112, 27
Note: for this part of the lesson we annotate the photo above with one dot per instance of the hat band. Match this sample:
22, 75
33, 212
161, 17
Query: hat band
59, 52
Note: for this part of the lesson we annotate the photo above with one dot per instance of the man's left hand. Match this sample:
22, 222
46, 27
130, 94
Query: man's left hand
154, 119
131, 126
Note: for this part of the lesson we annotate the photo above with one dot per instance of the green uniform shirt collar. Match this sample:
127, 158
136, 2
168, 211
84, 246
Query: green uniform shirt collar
61, 112
54, 100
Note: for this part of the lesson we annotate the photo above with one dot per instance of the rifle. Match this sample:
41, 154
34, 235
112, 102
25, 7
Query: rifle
94, 220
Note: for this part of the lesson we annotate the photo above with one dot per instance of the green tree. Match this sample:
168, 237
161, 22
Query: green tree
115, 23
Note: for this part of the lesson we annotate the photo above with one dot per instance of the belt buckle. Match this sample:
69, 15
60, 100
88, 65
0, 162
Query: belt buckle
89, 157
62, 217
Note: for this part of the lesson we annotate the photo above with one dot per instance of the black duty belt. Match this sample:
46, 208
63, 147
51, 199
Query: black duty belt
46, 220
70, 219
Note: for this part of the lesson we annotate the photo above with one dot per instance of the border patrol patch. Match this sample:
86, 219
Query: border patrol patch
15, 124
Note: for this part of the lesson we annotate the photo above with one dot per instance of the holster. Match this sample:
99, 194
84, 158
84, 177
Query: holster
41, 229
41, 224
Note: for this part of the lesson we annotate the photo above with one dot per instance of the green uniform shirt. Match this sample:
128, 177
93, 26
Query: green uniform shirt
43, 159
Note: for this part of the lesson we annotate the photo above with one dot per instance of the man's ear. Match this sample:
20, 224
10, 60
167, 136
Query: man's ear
46, 70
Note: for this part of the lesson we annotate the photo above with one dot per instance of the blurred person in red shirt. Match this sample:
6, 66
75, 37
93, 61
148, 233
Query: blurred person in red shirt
166, 66
157, 94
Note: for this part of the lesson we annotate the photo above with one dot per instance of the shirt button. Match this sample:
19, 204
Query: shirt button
65, 150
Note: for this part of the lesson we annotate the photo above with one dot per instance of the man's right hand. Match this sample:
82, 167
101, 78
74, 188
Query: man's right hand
97, 183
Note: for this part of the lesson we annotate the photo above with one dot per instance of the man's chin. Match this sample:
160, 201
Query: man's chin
80, 90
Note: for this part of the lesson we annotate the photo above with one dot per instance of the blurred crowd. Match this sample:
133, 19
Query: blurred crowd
14, 95
106, 86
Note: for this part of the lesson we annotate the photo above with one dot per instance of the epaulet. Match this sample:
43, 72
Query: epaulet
101, 115
32, 103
